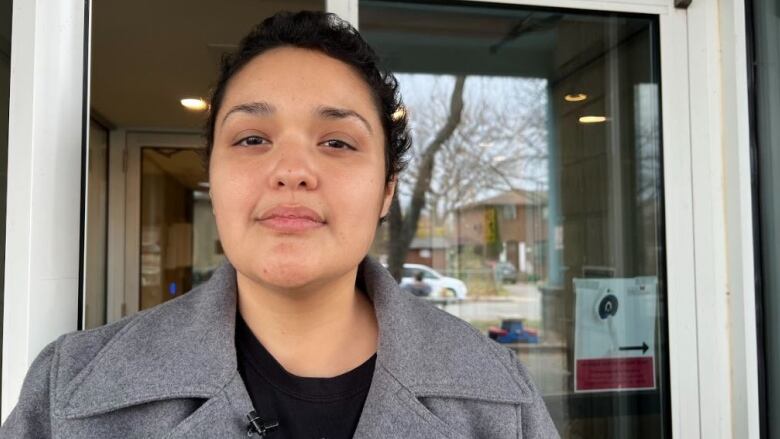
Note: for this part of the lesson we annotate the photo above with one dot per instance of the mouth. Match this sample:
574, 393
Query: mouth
286, 224
291, 219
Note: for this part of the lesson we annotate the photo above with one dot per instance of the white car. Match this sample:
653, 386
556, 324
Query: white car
441, 286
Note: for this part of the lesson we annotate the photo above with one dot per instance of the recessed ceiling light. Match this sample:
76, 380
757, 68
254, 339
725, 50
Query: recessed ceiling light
575, 97
204, 184
593, 119
194, 104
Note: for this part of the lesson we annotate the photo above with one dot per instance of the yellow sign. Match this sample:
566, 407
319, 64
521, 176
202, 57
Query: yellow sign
491, 225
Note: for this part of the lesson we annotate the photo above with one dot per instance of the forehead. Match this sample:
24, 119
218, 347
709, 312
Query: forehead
290, 77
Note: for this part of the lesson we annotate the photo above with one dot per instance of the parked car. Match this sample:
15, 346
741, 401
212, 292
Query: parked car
441, 286
506, 272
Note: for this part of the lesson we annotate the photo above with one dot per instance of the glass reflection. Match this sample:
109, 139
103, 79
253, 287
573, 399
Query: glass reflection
179, 243
765, 22
532, 203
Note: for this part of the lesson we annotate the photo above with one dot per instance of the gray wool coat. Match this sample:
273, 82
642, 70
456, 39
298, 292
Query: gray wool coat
171, 372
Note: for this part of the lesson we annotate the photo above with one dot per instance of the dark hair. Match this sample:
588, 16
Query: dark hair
327, 33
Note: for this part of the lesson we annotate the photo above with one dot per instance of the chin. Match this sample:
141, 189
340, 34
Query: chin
288, 273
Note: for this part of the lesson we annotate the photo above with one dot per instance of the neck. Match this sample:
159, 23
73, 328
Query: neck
318, 330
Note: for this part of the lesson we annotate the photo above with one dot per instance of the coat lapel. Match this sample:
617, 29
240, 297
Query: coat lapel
424, 352
223, 415
183, 349
433, 353
393, 411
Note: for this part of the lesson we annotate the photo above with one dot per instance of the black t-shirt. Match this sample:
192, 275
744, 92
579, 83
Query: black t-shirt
306, 408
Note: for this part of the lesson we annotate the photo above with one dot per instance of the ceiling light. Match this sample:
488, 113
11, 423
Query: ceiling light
575, 97
204, 184
194, 104
593, 119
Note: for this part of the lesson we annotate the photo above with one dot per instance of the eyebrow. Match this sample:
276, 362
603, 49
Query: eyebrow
254, 108
342, 113
261, 108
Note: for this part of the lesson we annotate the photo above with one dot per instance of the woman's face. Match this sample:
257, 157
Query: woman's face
297, 169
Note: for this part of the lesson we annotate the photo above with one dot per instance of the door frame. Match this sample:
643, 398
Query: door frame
709, 237
47, 137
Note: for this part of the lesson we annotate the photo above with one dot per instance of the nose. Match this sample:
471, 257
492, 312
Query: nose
294, 179
293, 171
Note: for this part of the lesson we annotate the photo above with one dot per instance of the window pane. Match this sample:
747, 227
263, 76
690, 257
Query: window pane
543, 210
176, 221
766, 21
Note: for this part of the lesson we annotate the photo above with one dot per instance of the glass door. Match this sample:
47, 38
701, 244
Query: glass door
542, 220
179, 243
556, 218
171, 241
766, 112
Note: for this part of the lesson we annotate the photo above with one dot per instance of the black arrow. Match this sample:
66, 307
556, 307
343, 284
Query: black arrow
642, 348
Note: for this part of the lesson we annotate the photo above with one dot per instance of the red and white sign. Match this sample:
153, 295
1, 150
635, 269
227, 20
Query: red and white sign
604, 374
615, 334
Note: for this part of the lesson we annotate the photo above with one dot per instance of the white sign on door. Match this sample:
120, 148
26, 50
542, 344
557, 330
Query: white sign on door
615, 334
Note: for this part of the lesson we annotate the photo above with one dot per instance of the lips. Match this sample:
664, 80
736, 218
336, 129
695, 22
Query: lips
291, 219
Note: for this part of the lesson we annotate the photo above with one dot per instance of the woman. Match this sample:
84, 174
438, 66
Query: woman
300, 335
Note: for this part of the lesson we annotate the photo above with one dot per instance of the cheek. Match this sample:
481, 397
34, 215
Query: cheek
234, 190
358, 201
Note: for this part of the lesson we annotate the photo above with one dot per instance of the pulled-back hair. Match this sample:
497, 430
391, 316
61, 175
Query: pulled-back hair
326, 33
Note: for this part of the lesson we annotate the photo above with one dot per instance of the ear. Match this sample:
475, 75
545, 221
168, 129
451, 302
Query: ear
388, 196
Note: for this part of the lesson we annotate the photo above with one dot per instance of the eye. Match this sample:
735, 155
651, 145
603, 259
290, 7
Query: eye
251, 141
338, 144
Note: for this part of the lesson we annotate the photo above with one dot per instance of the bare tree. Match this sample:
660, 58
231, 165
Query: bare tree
497, 143
494, 149
403, 227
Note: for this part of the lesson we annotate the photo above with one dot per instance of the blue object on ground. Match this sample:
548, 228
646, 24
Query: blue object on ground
512, 331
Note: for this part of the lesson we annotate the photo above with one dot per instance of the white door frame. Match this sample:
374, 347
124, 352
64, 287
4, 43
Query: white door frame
46, 131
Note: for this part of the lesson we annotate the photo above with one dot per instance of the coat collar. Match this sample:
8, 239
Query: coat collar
433, 353
185, 349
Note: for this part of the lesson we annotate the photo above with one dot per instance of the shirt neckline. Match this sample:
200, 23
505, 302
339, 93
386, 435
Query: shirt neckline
257, 357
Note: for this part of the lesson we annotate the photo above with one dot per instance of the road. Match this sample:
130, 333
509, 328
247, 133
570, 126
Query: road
523, 301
